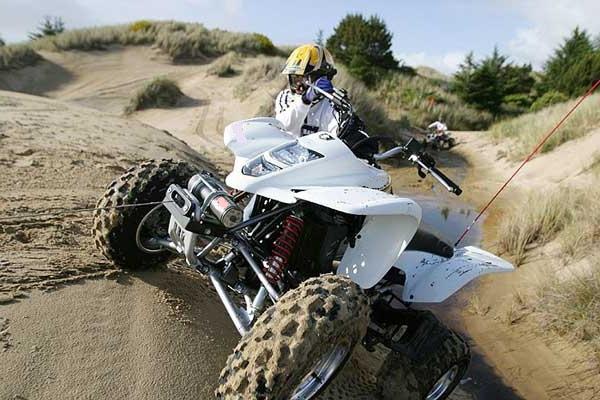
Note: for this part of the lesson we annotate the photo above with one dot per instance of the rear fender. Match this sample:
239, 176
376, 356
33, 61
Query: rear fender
432, 279
390, 223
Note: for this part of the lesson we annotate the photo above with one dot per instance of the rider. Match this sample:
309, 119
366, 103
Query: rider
300, 108
438, 127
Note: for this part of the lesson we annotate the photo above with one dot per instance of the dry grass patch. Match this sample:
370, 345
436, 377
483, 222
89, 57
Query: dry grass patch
180, 41
476, 307
578, 238
571, 306
17, 56
528, 129
158, 93
535, 221
261, 71
225, 66
422, 100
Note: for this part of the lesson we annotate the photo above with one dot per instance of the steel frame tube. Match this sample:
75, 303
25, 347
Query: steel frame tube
243, 248
240, 321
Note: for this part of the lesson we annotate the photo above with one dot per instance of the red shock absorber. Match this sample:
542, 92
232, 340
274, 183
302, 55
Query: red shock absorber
283, 246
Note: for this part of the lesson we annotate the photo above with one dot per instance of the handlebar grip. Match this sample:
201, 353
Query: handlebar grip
453, 187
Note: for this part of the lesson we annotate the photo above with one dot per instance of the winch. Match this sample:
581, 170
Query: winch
215, 197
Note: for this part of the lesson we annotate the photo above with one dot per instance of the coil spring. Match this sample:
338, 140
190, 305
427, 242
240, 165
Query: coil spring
283, 246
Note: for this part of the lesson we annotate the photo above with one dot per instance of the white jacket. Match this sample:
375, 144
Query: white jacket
302, 119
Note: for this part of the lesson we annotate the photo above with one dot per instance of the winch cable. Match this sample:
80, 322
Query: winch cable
535, 150
79, 210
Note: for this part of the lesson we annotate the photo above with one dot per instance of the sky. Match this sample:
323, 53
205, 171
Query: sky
434, 33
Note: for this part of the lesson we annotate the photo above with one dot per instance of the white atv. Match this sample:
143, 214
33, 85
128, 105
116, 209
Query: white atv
310, 254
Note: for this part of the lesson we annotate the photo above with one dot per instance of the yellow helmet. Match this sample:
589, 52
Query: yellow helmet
308, 62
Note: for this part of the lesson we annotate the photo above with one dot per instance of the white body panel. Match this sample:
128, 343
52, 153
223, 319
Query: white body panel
251, 137
390, 224
432, 279
338, 166
360, 201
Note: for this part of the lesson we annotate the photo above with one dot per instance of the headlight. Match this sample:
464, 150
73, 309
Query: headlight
259, 167
294, 153
277, 159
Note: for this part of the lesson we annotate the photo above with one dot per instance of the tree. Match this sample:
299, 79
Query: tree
2, 43
320, 40
573, 66
50, 26
364, 45
494, 84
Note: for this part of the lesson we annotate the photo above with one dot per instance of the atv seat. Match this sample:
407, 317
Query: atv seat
428, 242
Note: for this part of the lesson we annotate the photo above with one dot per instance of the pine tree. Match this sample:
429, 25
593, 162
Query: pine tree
364, 45
320, 40
573, 66
493, 84
50, 26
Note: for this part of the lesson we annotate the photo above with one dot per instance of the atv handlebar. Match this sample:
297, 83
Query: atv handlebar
412, 150
426, 164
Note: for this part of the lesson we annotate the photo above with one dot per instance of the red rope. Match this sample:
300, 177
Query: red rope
535, 150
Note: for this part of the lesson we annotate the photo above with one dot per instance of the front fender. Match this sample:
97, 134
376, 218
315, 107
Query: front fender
432, 279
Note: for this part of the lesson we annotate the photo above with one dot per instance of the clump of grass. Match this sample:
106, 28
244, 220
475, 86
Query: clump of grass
158, 93
261, 71
224, 65
584, 231
476, 307
17, 56
571, 306
422, 100
537, 220
528, 129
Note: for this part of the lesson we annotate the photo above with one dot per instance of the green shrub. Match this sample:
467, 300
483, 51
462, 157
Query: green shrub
547, 99
528, 129
141, 25
158, 93
16, 56
264, 44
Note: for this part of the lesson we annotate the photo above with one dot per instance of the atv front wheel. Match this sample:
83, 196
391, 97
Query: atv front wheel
432, 378
297, 346
115, 229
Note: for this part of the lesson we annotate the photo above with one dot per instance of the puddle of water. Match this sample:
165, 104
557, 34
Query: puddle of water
447, 217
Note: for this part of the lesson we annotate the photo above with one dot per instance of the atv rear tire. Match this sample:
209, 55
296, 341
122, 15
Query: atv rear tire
323, 319
114, 229
433, 378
